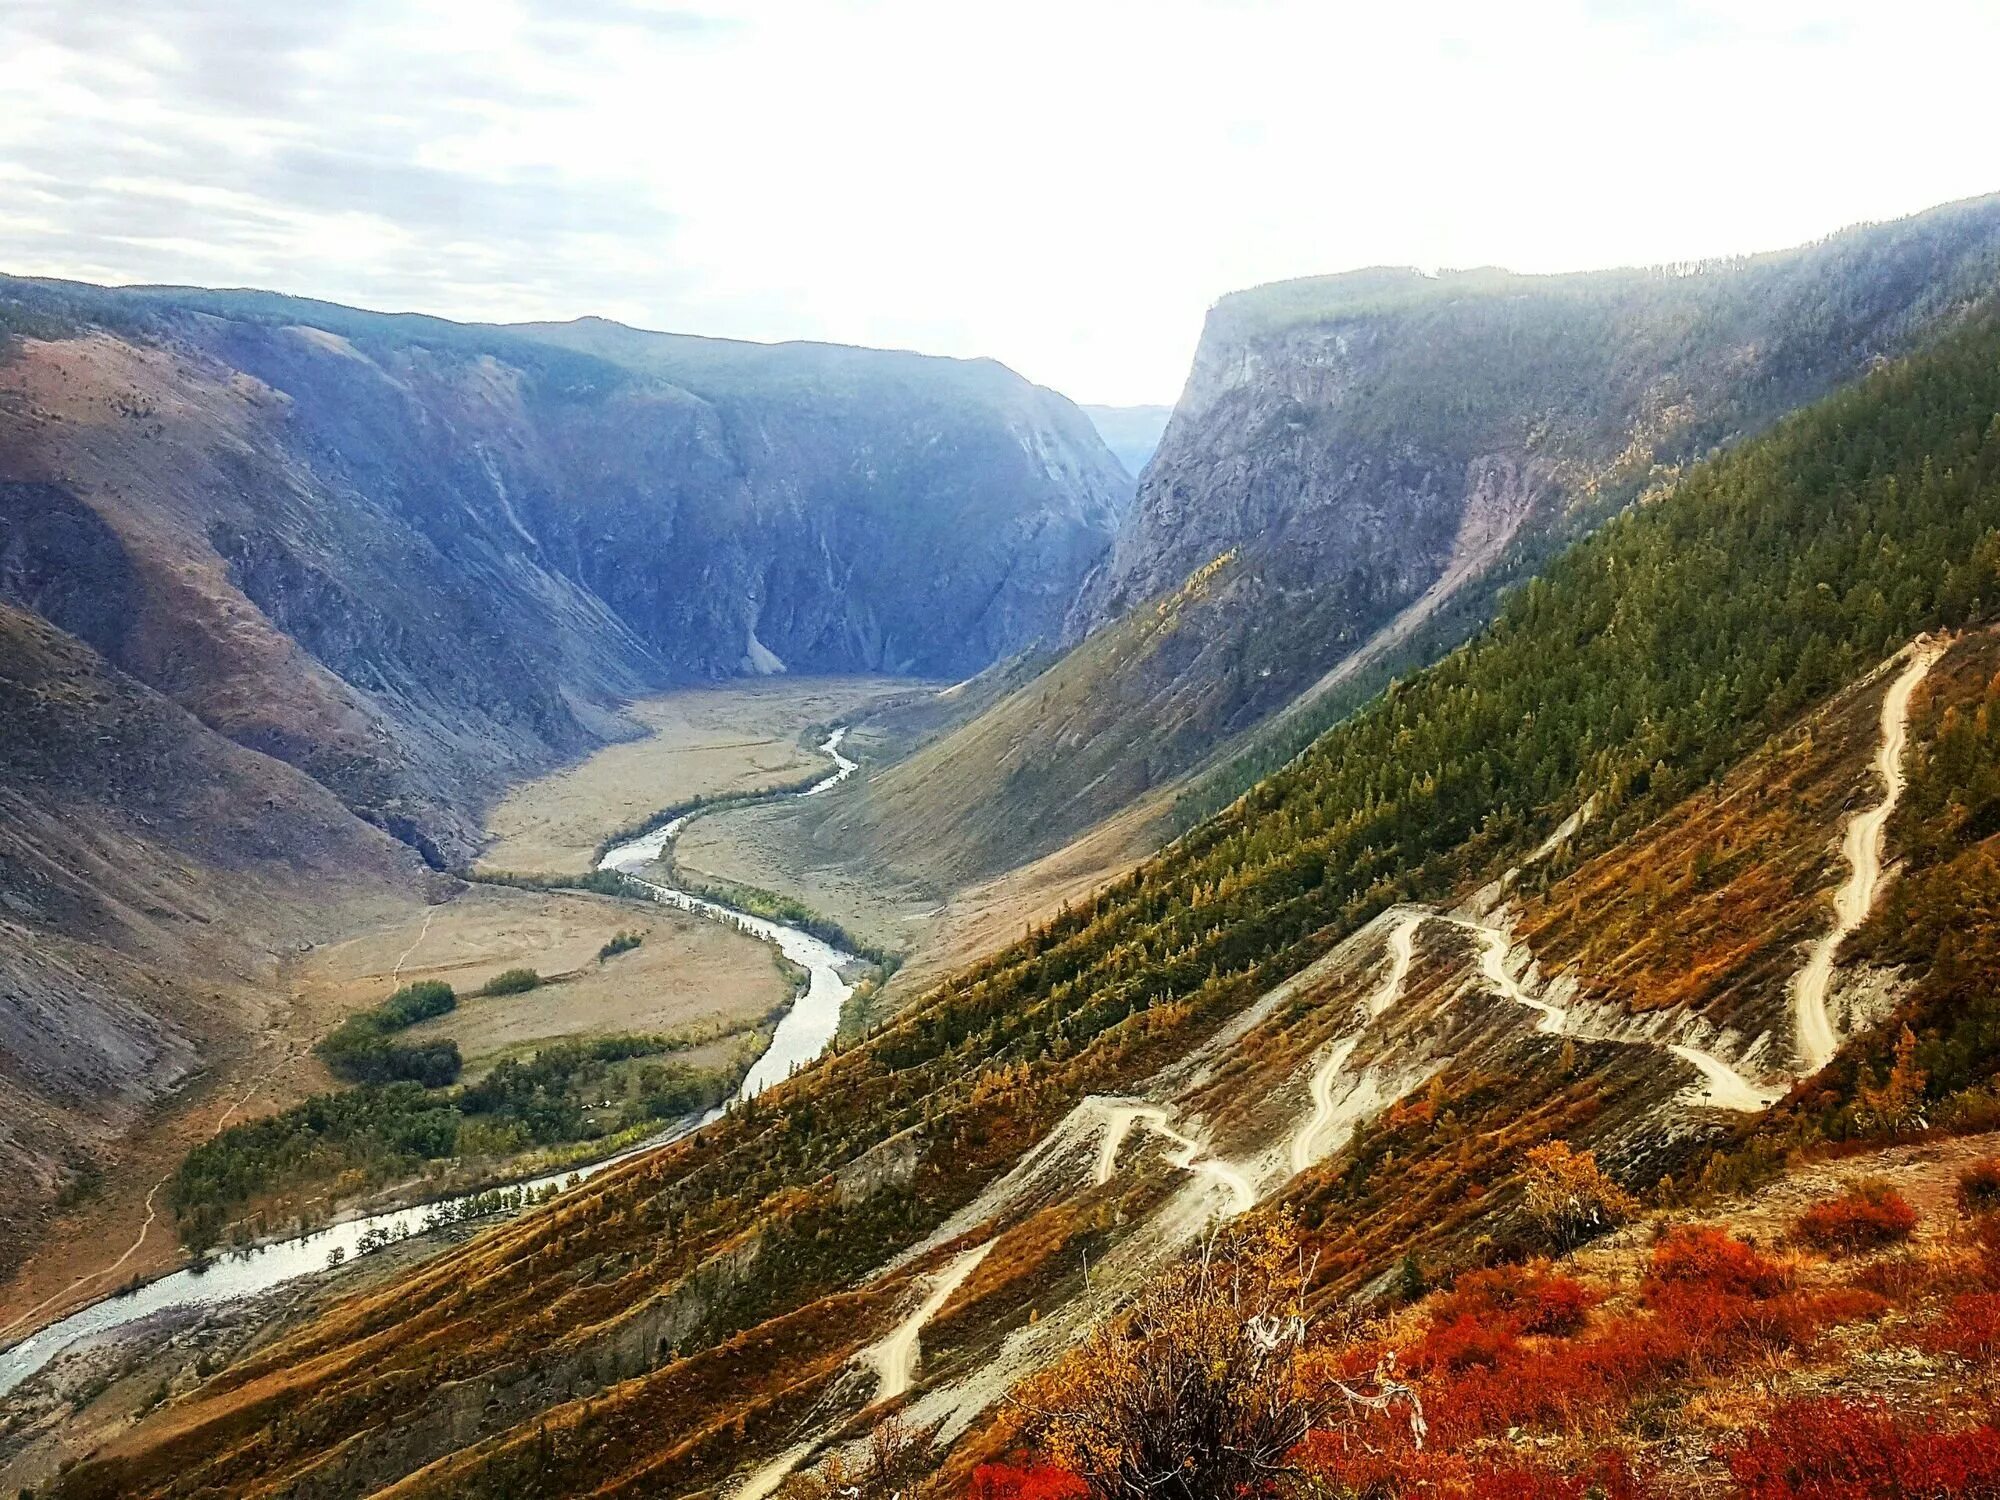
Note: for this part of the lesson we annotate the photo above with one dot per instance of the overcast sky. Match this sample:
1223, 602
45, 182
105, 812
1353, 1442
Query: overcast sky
1065, 186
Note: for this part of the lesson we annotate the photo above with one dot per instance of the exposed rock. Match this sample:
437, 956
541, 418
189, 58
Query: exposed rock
1367, 457
417, 559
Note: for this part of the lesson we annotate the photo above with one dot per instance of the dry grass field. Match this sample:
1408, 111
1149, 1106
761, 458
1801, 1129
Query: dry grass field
687, 975
700, 742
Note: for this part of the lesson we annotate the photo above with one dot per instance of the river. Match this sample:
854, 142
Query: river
801, 1035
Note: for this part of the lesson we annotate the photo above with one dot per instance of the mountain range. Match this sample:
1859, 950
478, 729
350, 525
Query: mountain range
1564, 708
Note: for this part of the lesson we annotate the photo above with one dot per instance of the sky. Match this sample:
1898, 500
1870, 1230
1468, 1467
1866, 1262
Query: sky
1063, 186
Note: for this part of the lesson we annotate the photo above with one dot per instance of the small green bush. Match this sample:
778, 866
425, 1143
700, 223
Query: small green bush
416, 1002
511, 982
621, 942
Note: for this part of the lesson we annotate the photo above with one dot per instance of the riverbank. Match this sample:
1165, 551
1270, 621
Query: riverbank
801, 1034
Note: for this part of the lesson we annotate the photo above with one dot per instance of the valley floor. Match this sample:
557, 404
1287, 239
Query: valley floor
747, 736
686, 977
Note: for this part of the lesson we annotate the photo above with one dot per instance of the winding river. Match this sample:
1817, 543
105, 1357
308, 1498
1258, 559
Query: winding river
801, 1035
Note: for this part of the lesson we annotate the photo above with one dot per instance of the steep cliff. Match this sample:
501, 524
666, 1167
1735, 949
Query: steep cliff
1368, 456
416, 559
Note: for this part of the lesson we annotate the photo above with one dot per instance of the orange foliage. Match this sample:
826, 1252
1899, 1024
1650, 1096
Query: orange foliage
1715, 1259
1569, 1195
1033, 1481
1866, 1217
1365, 1471
1969, 1328
1522, 1348
1528, 1300
1828, 1449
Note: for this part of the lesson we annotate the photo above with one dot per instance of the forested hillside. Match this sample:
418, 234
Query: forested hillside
1375, 454
689, 1312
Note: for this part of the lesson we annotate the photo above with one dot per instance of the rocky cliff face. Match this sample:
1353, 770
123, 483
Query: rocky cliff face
417, 559
1352, 435
267, 564
1360, 458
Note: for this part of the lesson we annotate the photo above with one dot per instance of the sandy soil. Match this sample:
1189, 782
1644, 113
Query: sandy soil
700, 742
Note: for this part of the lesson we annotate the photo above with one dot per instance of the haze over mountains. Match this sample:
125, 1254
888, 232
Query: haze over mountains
1356, 462
290, 594
1130, 432
416, 559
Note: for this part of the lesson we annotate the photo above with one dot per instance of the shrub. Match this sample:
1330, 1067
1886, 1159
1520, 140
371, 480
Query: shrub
511, 982
1969, 1328
1713, 1258
1979, 1187
1902, 1279
1197, 1393
894, 1462
1867, 1216
1355, 1469
1035, 1481
1829, 1449
416, 1002
1570, 1196
621, 942
1464, 1343
1527, 1300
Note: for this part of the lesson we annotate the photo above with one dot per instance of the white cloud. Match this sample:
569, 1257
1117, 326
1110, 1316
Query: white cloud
1065, 186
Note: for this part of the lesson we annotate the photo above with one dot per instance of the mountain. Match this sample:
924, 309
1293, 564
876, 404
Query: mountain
1356, 466
150, 869
1130, 432
287, 587
1561, 887
418, 559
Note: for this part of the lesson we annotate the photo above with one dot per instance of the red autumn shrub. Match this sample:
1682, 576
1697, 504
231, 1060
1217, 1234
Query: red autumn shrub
1979, 1187
1986, 1237
1828, 1449
1462, 1344
1717, 1326
1035, 1481
1702, 1255
1721, 1298
1528, 1299
1866, 1217
1969, 1328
